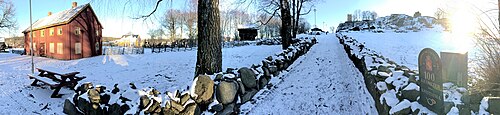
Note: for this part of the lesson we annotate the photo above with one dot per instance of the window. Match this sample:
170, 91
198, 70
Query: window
59, 31
78, 48
77, 31
51, 31
60, 48
34, 34
97, 32
51, 47
42, 33
96, 46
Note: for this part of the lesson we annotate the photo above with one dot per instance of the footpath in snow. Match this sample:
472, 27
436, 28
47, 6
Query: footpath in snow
324, 81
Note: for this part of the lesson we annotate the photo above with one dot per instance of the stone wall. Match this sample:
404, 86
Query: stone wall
222, 93
395, 88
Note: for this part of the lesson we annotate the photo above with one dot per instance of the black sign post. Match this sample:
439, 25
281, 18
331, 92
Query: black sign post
431, 81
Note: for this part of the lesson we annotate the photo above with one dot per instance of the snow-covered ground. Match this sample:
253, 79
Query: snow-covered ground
403, 48
323, 81
163, 71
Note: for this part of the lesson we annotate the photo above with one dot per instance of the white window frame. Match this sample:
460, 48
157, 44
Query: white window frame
51, 47
60, 48
78, 48
59, 31
51, 32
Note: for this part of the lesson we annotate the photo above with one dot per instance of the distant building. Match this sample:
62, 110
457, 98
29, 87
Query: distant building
247, 32
129, 40
70, 34
349, 17
417, 14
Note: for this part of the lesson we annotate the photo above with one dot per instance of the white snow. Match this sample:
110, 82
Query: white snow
390, 98
412, 86
400, 106
57, 18
163, 71
323, 81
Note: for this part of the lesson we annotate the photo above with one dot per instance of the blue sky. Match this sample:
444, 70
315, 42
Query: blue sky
115, 16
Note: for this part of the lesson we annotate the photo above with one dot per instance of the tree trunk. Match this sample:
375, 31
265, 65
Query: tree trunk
209, 57
286, 23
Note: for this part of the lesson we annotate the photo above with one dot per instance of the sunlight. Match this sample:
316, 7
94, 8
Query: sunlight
463, 26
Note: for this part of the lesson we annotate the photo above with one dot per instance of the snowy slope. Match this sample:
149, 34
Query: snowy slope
163, 71
324, 81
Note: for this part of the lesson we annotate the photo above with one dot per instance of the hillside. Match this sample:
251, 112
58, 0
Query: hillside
394, 22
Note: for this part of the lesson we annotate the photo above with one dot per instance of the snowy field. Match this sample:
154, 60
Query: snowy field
403, 48
163, 71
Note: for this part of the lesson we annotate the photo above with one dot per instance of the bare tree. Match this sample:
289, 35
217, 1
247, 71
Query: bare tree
171, 22
488, 42
7, 16
209, 56
374, 15
440, 13
357, 15
297, 7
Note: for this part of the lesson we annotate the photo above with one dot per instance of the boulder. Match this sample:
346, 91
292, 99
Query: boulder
83, 105
248, 78
184, 98
217, 107
144, 102
84, 87
384, 69
248, 95
228, 109
114, 109
94, 97
263, 80
218, 77
493, 105
404, 111
203, 91
226, 92
176, 107
191, 109
447, 106
70, 108
241, 88
266, 71
411, 95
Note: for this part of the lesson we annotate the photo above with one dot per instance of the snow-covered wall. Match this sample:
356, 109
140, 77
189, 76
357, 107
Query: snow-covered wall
221, 93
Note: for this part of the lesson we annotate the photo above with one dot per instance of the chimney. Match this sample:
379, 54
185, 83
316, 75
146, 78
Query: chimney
50, 13
74, 4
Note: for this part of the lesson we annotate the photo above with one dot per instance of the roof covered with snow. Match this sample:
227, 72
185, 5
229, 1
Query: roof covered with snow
59, 18
248, 26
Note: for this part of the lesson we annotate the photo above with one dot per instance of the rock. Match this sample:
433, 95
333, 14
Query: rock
265, 63
83, 105
217, 107
105, 98
248, 95
411, 95
218, 77
184, 98
144, 102
84, 87
493, 105
274, 70
270, 58
248, 78
154, 92
447, 106
94, 97
168, 111
263, 80
154, 108
191, 109
404, 111
416, 112
384, 69
203, 90
230, 70
114, 109
176, 107
228, 109
70, 108
100, 88
266, 71
226, 92
463, 109
241, 88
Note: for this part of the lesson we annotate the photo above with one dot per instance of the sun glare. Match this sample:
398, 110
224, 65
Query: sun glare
463, 25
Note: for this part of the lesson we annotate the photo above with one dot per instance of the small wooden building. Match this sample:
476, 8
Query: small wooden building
70, 34
247, 32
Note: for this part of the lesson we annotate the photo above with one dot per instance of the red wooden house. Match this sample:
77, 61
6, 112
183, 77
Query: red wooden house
71, 34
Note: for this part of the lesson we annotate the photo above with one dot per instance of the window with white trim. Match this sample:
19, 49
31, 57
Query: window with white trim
51, 31
42, 33
77, 31
60, 48
78, 48
59, 31
51, 47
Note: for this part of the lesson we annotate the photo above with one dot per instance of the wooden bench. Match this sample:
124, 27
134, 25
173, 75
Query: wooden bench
56, 79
